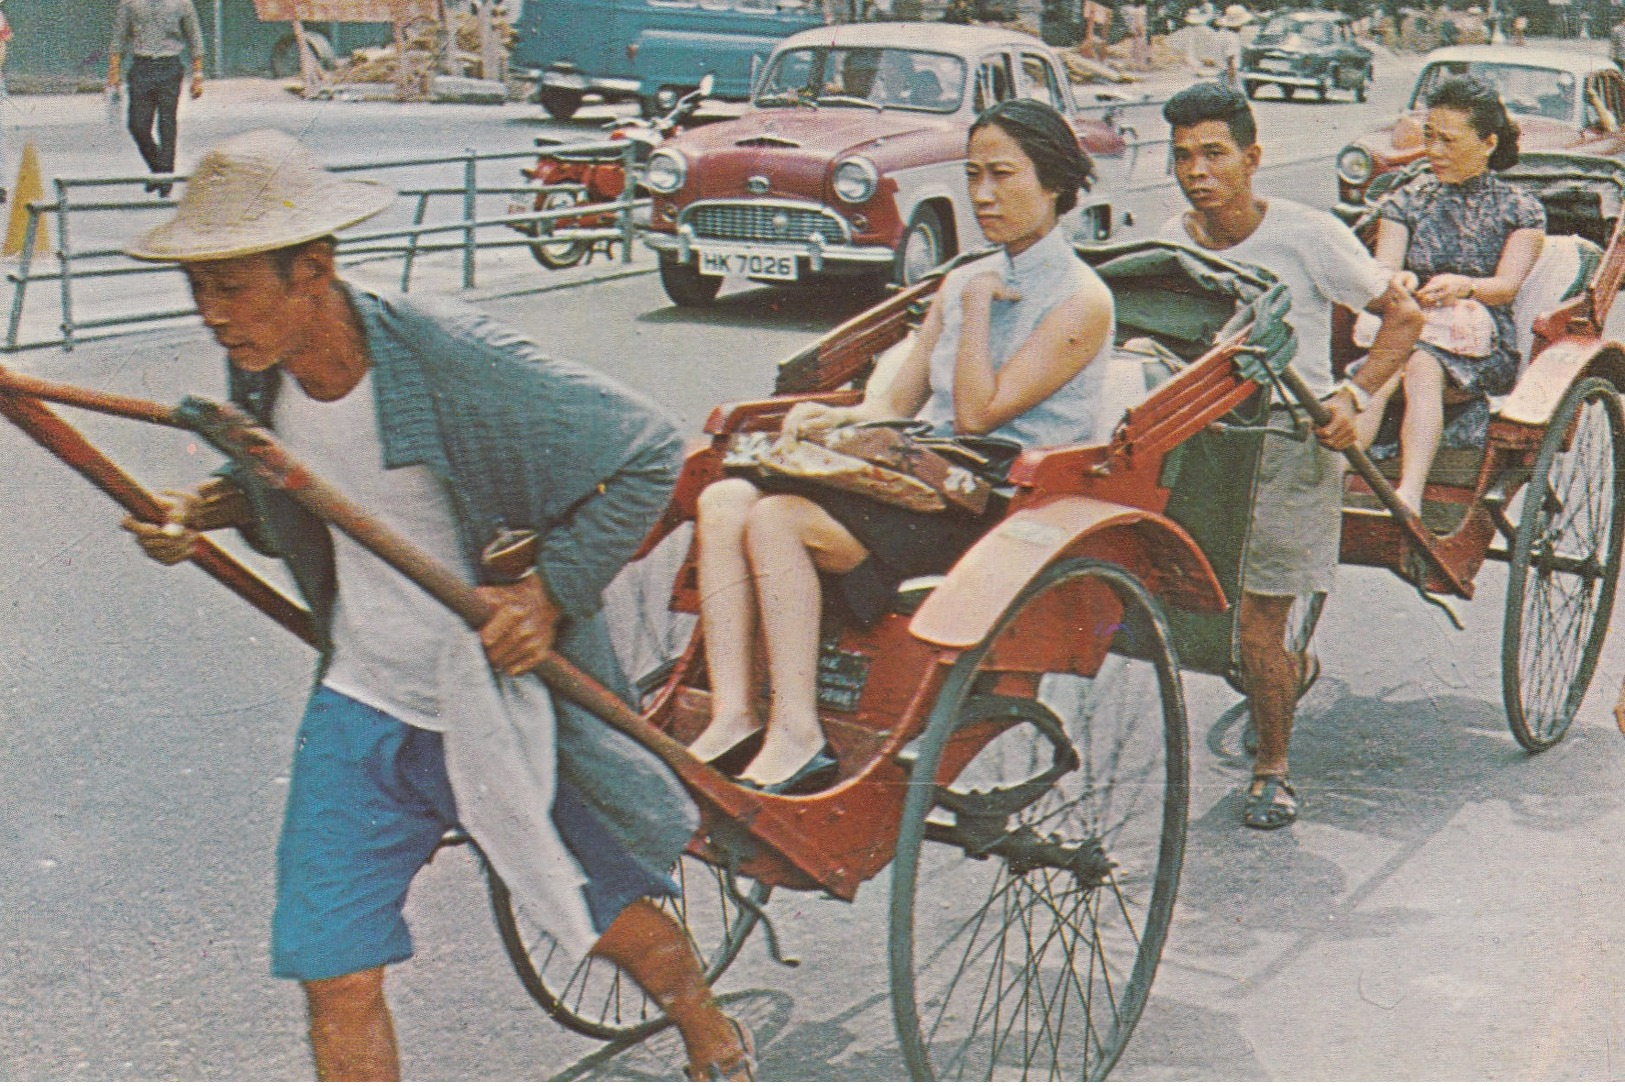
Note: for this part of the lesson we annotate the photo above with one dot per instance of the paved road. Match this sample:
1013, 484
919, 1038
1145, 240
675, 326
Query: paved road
1445, 909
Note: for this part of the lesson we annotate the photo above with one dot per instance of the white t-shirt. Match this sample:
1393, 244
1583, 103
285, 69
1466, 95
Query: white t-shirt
395, 647
1320, 261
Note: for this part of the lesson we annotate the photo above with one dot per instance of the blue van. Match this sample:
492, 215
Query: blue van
651, 50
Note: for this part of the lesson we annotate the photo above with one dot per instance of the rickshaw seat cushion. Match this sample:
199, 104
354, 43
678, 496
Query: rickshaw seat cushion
1565, 266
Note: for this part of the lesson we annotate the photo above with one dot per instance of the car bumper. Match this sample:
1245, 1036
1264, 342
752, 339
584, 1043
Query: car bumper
578, 81
818, 255
1286, 79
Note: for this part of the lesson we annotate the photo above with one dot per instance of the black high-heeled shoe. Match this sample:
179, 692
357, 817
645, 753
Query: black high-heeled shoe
733, 761
821, 771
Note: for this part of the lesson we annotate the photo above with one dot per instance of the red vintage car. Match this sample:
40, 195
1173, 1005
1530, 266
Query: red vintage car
850, 159
1564, 100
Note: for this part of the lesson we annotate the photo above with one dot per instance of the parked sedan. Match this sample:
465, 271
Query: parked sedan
1307, 50
1563, 100
850, 159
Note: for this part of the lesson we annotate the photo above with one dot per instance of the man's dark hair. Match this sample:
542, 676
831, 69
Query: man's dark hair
1048, 140
1485, 111
1212, 102
284, 257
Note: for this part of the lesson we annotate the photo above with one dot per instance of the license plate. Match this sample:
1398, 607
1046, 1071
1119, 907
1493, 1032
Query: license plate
756, 263
1275, 65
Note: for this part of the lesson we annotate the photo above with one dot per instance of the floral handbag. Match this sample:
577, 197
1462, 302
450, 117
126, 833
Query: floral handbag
894, 462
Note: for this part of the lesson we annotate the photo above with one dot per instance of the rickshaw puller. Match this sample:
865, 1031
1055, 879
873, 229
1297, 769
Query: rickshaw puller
1292, 548
445, 425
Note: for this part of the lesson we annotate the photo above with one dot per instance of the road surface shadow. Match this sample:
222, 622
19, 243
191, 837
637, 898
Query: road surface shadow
1178, 1041
809, 307
1399, 771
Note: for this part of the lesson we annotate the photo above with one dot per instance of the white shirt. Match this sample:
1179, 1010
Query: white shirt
1320, 261
395, 648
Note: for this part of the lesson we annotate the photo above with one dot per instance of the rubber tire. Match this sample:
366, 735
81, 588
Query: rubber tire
1321, 91
560, 104
1362, 88
556, 255
284, 59
1597, 390
961, 687
1288, 92
1249, 87
607, 1025
685, 286
927, 225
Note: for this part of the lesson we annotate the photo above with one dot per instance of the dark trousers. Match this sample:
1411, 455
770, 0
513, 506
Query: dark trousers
155, 91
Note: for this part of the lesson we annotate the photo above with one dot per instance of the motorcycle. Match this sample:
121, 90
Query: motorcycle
567, 175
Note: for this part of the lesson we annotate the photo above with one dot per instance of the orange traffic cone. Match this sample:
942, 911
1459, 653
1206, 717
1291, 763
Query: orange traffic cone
29, 188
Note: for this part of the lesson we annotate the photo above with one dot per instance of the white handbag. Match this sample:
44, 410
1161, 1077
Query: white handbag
1463, 327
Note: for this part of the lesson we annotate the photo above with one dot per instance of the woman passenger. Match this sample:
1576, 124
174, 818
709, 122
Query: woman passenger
1458, 232
1006, 349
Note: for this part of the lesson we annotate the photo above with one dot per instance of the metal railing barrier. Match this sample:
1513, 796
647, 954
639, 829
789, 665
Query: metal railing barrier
469, 232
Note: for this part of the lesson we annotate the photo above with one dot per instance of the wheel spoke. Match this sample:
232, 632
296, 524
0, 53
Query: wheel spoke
1565, 564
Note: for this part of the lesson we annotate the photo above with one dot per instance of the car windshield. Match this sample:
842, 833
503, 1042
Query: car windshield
857, 77
1285, 26
1527, 90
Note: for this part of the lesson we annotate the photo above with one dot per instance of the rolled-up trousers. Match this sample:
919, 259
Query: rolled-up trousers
155, 92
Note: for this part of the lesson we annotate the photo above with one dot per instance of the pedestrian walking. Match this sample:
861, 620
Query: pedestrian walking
1228, 55
446, 427
154, 33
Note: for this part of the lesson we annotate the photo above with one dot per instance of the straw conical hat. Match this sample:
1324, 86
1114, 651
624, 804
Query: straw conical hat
257, 192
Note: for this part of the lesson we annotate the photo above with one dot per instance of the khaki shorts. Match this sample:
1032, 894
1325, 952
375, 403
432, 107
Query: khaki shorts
1296, 534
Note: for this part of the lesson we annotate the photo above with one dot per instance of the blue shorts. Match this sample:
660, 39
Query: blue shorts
368, 801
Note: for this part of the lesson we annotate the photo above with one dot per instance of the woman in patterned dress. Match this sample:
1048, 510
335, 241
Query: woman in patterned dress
1458, 232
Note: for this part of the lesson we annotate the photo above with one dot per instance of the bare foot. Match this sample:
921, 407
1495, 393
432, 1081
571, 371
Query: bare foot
722, 735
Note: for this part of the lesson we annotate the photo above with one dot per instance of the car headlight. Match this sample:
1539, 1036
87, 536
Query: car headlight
1354, 165
666, 171
855, 180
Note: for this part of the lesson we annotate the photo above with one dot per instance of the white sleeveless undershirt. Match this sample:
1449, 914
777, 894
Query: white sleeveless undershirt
394, 647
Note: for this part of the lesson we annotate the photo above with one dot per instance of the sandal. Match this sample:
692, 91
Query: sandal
1274, 805
737, 1066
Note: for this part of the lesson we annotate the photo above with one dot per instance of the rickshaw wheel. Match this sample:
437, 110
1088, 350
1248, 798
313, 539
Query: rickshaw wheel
594, 998
1565, 565
557, 255
1035, 960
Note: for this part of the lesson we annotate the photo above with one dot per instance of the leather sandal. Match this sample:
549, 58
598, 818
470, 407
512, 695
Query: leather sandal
1273, 806
737, 1066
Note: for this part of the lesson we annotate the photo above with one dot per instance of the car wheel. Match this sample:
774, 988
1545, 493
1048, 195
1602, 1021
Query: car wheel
685, 285
924, 246
1288, 92
1250, 88
1360, 91
560, 104
1321, 90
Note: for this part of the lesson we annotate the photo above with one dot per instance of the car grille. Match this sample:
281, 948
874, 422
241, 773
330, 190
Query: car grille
756, 222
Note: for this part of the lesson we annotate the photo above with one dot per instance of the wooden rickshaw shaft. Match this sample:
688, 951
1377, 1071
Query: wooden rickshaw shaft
238, 437
20, 403
1380, 486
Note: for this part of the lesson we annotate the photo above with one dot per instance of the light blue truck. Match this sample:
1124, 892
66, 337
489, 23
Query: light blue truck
650, 50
